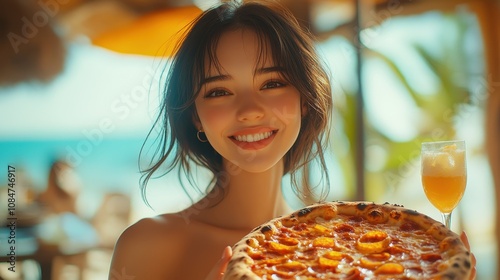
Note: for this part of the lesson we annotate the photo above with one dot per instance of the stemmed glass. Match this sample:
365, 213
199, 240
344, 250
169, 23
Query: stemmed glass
444, 175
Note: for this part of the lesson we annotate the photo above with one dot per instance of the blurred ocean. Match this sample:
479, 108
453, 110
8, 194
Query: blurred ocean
107, 164
103, 165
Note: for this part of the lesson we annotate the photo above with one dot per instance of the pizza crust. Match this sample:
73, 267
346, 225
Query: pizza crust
456, 266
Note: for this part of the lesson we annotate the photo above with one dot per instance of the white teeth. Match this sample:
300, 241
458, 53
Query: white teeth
254, 137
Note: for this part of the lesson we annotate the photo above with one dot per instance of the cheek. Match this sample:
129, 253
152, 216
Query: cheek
213, 118
288, 111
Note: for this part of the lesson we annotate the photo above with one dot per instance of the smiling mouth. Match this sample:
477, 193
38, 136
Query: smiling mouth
256, 137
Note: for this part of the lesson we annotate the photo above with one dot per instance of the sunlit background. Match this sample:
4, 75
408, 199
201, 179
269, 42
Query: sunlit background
80, 83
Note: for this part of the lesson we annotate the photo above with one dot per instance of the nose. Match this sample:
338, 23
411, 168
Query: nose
250, 108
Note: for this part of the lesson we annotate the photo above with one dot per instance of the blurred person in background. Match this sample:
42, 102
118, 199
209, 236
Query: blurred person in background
63, 188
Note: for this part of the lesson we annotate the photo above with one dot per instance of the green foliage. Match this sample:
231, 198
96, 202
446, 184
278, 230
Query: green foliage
438, 109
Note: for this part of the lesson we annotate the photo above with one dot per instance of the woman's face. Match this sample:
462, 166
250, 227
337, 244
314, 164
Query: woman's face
250, 114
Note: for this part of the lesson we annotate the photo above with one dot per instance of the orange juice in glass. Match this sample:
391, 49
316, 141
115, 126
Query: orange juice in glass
444, 175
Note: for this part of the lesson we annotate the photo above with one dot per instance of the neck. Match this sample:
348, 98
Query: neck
250, 198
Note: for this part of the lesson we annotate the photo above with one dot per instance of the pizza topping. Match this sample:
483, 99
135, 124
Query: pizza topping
379, 256
343, 228
325, 243
320, 229
255, 254
373, 242
367, 263
409, 226
390, 268
272, 262
289, 241
327, 263
331, 249
292, 266
280, 248
334, 255
397, 250
432, 257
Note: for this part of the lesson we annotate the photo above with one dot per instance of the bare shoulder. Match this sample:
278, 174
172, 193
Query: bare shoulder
148, 248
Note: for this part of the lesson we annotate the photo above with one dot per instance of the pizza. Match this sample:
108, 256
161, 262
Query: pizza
350, 240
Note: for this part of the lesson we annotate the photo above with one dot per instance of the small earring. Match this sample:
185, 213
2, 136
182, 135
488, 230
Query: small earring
199, 138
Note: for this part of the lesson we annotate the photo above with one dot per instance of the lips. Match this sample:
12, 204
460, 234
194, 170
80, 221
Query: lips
253, 139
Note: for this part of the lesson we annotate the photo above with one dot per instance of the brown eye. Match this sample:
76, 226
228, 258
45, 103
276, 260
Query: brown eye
273, 84
216, 93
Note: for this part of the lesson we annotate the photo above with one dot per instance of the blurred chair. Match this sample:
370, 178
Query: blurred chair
111, 218
79, 248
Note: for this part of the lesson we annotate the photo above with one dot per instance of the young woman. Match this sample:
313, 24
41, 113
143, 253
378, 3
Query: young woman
247, 99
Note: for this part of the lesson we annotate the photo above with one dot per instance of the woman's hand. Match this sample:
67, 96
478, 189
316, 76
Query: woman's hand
465, 240
217, 272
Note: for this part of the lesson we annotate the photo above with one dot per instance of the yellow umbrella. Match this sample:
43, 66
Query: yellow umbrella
153, 34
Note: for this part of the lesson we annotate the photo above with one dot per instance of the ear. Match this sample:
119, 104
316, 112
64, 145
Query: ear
304, 109
196, 121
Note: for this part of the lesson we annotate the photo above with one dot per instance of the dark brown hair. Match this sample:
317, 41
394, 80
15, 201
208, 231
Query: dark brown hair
291, 48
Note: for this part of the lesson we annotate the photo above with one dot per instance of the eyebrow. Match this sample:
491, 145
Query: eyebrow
265, 70
260, 71
212, 79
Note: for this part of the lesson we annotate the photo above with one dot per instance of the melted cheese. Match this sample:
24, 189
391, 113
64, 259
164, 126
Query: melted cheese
346, 248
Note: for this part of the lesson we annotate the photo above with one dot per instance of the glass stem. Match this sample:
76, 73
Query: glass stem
447, 219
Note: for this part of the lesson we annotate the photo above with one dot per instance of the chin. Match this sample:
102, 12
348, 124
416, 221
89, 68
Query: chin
254, 165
